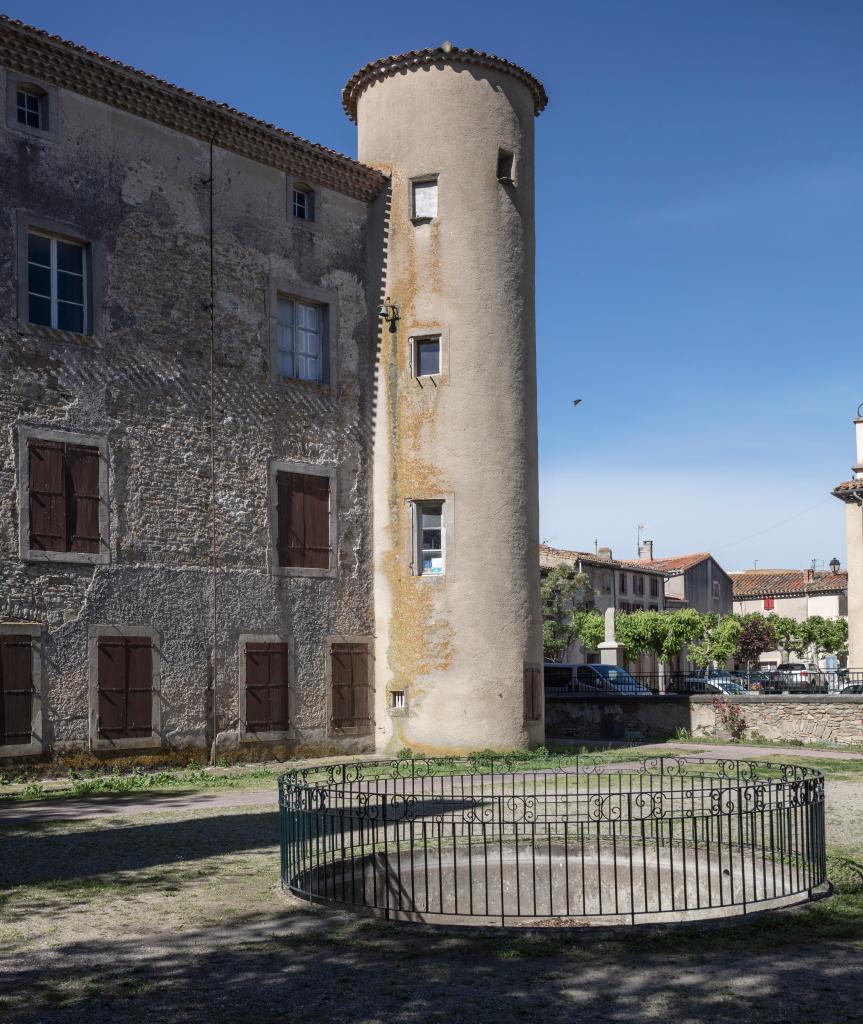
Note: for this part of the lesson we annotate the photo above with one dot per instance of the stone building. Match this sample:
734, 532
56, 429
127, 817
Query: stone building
257, 469
792, 593
851, 493
691, 581
613, 584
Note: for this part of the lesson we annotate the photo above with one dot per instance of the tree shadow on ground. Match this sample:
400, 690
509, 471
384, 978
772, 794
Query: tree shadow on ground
319, 966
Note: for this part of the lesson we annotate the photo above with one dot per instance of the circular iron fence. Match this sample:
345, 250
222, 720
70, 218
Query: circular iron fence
494, 840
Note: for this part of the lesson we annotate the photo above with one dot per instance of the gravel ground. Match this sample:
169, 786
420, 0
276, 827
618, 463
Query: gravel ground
177, 916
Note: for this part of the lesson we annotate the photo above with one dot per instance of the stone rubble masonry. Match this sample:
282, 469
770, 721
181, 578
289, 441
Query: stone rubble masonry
138, 192
808, 718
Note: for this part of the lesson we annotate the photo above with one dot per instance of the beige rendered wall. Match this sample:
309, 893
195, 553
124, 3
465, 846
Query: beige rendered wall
457, 644
854, 558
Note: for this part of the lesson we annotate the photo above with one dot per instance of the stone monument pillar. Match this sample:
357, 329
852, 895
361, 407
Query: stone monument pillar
610, 651
851, 492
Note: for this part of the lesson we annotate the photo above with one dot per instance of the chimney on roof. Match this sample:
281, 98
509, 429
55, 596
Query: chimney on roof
645, 550
858, 430
604, 553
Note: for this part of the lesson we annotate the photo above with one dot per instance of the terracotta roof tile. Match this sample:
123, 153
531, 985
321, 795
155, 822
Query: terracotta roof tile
550, 557
670, 565
786, 583
378, 69
48, 57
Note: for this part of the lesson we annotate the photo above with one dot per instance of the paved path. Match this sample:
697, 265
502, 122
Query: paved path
78, 809
732, 752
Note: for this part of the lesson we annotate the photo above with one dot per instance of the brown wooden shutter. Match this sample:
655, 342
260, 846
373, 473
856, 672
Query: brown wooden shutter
316, 514
48, 531
351, 685
125, 682
267, 683
303, 520
82, 465
533, 692
16, 689
139, 686
111, 668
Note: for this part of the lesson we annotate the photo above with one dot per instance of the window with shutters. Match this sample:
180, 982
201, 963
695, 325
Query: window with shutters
303, 519
20, 689
124, 686
351, 681
533, 687
654, 587
64, 511
265, 685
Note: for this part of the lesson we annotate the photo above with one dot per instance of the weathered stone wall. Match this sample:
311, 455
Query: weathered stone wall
140, 192
806, 719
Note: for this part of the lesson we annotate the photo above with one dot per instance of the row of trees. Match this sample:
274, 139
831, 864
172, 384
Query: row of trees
568, 615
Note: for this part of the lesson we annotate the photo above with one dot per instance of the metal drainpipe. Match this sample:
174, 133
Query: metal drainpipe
214, 537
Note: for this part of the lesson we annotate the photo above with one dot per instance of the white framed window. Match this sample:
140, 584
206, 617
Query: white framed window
430, 538
300, 339
31, 107
303, 202
426, 356
424, 199
57, 283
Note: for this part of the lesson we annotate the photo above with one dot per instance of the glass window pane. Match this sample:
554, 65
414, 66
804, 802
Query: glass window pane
431, 517
39, 249
38, 280
70, 287
70, 317
285, 312
70, 257
428, 356
425, 199
39, 311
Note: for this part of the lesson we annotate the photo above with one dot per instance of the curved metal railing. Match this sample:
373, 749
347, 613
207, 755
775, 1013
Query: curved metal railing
497, 838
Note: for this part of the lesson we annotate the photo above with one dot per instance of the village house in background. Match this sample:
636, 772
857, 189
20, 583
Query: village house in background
691, 581
851, 493
791, 593
260, 453
613, 584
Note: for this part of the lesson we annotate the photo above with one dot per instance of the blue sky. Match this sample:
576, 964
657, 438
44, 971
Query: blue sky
699, 230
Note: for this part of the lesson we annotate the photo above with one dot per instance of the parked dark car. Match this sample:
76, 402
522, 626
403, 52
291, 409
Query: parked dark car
598, 679
714, 681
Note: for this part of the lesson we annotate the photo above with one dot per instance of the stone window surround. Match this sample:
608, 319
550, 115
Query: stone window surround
93, 254
343, 638
266, 638
318, 203
423, 179
328, 298
35, 630
27, 433
98, 742
274, 467
411, 534
15, 79
421, 332
395, 712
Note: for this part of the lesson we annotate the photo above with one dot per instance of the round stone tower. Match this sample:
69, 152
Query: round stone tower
458, 650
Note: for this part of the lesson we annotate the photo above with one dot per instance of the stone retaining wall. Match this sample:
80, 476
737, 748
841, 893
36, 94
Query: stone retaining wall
801, 718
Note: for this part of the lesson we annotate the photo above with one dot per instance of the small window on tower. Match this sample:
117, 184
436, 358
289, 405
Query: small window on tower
429, 515
424, 200
426, 357
505, 165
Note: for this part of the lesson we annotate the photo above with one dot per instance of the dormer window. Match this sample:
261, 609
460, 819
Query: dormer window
31, 105
303, 203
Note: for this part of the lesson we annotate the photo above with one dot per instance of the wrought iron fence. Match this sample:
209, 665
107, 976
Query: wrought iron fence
491, 840
845, 681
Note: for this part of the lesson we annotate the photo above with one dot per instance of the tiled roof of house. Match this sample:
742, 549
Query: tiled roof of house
670, 566
49, 58
446, 53
786, 583
848, 489
550, 557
